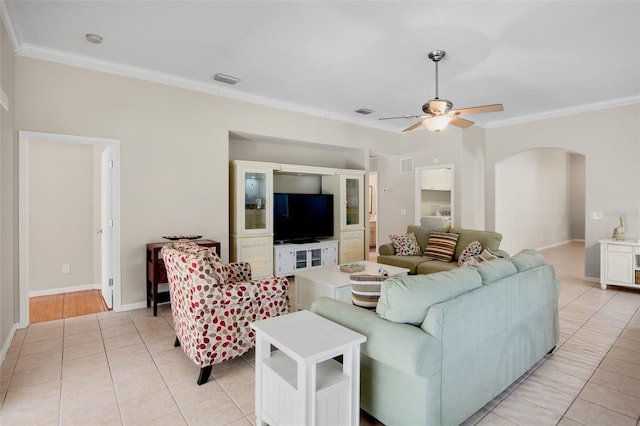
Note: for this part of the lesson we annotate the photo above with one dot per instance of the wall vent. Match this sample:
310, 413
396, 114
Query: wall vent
228, 79
364, 111
406, 165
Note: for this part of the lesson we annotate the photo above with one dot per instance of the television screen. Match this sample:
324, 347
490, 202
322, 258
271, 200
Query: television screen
302, 217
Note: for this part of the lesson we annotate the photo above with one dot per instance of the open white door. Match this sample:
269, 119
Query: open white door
106, 168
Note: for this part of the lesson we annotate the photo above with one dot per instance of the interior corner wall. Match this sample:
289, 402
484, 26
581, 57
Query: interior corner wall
472, 178
9, 303
576, 197
611, 154
61, 216
174, 149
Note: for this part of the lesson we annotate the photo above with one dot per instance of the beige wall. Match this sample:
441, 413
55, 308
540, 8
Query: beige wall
9, 314
61, 216
609, 141
174, 148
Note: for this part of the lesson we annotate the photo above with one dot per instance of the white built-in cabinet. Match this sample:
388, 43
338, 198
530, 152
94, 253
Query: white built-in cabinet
619, 263
251, 232
292, 258
436, 179
348, 189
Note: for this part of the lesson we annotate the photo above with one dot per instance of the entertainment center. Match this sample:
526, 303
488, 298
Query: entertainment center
286, 204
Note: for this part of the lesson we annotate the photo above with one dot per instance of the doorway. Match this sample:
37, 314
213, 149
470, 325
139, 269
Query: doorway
108, 156
540, 199
373, 216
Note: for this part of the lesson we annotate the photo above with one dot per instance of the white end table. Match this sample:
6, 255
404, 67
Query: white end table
300, 383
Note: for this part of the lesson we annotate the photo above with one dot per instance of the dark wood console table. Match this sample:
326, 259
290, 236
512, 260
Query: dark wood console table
156, 273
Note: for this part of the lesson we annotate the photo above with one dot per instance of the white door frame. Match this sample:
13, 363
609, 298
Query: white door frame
418, 191
24, 139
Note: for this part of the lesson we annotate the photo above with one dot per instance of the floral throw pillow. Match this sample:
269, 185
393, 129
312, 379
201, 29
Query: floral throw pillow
405, 245
473, 249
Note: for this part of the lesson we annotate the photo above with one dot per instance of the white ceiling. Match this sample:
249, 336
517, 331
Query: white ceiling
540, 59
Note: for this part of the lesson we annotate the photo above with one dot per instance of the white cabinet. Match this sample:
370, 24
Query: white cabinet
348, 190
251, 233
436, 179
619, 263
292, 258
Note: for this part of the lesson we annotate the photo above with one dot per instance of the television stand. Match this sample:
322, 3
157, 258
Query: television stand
297, 256
305, 241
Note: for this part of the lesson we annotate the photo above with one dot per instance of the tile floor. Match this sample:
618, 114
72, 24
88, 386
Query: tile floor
121, 368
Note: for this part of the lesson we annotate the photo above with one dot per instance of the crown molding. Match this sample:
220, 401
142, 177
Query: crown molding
14, 39
81, 61
564, 112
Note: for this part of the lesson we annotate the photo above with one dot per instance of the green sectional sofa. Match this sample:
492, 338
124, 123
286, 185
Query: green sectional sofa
425, 265
441, 346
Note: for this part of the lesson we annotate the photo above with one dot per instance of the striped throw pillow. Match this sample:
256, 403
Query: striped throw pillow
365, 290
441, 246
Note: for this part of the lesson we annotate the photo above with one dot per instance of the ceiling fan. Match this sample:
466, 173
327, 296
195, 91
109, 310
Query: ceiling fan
438, 113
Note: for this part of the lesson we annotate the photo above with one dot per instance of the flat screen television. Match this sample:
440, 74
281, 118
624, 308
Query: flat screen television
302, 217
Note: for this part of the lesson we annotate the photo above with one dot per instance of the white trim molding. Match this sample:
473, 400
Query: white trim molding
61, 290
24, 139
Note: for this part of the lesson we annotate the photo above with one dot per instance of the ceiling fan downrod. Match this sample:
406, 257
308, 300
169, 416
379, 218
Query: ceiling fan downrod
436, 56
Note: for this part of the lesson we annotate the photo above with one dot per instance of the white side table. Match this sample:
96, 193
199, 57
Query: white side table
300, 383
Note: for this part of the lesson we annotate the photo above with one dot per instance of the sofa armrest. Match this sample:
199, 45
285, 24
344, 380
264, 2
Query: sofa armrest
501, 253
238, 272
386, 250
403, 346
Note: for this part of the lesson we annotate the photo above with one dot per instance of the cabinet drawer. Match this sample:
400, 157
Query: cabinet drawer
254, 241
619, 248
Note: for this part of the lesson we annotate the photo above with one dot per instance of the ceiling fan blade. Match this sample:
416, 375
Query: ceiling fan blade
477, 109
415, 126
460, 122
404, 116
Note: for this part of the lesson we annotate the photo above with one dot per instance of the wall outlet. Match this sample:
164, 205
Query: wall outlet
66, 269
403, 211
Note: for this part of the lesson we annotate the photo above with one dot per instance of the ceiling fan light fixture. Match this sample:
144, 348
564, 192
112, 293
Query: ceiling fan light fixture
437, 123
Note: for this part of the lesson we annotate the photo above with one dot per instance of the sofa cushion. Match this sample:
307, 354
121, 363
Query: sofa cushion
365, 289
494, 270
528, 259
441, 246
408, 299
405, 245
422, 234
432, 266
473, 249
408, 262
488, 239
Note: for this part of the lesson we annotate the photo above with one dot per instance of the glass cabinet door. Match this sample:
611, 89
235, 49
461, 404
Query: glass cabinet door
353, 206
255, 200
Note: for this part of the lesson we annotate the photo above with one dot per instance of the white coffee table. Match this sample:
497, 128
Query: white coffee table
329, 281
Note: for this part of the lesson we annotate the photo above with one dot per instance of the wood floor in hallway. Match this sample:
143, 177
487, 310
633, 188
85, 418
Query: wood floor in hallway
65, 305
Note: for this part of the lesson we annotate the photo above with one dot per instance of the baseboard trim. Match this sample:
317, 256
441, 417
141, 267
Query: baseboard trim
7, 343
131, 307
561, 243
60, 290
592, 279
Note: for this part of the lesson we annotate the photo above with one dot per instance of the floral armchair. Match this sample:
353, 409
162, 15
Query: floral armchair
213, 305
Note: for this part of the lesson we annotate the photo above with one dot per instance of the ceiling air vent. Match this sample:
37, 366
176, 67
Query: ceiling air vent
364, 111
226, 78
406, 165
